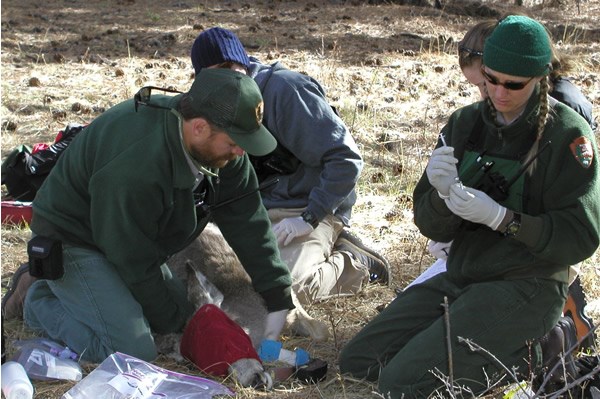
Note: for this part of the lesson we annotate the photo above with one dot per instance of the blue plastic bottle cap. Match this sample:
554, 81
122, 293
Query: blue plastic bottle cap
269, 350
302, 357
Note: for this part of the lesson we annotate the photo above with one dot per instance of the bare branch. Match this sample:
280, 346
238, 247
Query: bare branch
449, 345
477, 348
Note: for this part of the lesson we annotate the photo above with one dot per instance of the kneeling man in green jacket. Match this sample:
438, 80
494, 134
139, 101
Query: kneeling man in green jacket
138, 185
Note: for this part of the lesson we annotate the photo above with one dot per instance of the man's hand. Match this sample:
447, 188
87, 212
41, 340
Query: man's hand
441, 170
274, 324
475, 206
290, 228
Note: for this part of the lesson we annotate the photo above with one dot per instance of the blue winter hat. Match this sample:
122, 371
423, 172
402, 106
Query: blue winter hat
216, 46
518, 46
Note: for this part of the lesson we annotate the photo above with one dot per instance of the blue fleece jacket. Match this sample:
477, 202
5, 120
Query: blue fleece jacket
298, 115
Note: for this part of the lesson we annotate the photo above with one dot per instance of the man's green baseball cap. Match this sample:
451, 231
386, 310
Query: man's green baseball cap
232, 101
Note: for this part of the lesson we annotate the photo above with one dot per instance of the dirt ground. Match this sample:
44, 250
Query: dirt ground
390, 69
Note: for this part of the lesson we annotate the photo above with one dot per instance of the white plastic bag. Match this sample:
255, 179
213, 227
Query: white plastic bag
46, 360
122, 376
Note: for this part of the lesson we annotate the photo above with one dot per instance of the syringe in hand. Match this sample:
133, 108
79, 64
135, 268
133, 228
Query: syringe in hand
443, 139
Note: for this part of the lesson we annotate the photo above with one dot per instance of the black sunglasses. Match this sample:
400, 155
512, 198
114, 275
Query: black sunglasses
507, 85
470, 51
142, 97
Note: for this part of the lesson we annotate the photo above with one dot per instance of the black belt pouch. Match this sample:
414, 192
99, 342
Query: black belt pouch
45, 258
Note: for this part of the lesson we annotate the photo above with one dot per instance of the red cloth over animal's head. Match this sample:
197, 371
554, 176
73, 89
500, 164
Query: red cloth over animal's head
212, 341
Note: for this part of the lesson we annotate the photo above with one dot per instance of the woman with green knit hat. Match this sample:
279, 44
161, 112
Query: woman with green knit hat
514, 184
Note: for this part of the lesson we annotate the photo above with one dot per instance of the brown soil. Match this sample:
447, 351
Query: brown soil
390, 69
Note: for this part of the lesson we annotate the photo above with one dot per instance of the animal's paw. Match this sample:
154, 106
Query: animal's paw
301, 323
250, 373
168, 345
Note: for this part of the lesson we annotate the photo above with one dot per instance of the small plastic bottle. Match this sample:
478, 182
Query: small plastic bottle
15, 383
271, 350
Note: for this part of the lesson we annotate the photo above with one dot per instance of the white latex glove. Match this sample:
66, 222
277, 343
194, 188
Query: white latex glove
475, 206
290, 228
441, 170
274, 324
439, 249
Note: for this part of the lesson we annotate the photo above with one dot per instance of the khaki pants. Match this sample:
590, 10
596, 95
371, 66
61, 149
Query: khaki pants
319, 272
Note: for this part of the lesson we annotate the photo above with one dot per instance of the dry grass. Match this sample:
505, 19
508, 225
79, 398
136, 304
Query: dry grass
390, 70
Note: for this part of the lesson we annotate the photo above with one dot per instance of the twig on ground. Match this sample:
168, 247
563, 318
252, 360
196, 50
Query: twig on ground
449, 346
477, 348
568, 387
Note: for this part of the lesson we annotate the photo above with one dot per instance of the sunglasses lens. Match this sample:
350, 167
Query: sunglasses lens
507, 85
489, 78
470, 51
514, 85
145, 94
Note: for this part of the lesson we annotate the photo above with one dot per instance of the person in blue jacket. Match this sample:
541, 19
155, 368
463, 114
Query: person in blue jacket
317, 164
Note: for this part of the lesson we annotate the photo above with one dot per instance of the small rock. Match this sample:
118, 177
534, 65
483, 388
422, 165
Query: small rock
397, 169
34, 82
119, 72
59, 114
9, 125
377, 177
78, 107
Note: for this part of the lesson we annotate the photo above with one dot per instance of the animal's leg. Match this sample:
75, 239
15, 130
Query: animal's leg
301, 323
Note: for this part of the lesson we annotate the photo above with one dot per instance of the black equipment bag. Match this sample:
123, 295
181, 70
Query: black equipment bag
23, 172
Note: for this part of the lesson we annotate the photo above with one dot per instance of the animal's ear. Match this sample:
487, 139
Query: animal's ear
200, 290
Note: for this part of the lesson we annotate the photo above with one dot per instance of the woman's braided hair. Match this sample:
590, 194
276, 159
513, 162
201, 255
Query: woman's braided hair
543, 115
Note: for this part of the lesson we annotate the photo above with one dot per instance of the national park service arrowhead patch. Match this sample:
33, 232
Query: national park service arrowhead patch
582, 150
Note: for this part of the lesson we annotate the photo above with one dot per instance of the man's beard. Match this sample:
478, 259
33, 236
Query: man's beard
211, 161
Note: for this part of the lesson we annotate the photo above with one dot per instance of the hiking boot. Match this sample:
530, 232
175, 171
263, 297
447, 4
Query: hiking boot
378, 266
12, 303
557, 355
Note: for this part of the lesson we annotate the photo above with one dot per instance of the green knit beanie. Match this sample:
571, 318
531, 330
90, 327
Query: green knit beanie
518, 46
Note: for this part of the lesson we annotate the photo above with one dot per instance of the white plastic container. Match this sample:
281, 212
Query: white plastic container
15, 383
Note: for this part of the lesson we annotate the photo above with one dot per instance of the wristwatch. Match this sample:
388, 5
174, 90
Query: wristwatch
309, 218
512, 228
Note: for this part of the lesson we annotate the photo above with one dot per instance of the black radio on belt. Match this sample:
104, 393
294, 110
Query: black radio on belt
45, 258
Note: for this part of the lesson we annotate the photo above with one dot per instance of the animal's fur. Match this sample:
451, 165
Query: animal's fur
215, 275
